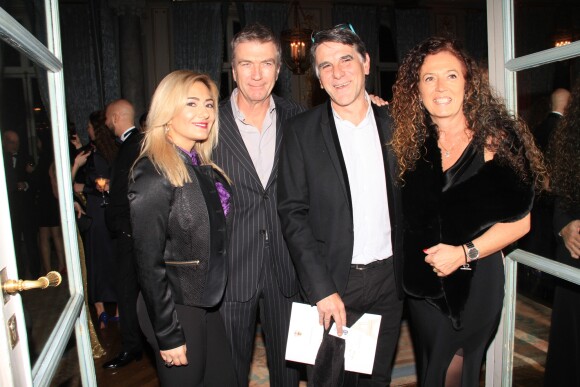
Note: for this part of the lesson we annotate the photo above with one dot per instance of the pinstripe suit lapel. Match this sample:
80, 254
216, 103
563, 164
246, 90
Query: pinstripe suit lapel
281, 116
232, 139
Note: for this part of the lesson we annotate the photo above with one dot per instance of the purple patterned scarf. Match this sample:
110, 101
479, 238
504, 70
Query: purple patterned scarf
222, 191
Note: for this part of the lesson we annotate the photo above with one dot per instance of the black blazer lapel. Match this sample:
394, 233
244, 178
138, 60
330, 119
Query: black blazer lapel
330, 134
281, 116
385, 132
231, 137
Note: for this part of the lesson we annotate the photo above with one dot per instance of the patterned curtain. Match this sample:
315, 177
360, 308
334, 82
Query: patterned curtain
476, 34
198, 37
366, 21
109, 64
275, 16
80, 80
412, 27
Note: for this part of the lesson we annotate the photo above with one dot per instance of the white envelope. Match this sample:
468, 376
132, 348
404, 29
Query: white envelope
305, 336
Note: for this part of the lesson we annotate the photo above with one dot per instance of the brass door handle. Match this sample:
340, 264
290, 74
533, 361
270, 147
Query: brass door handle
52, 278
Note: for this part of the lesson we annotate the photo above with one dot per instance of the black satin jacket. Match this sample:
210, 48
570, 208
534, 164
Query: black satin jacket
180, 239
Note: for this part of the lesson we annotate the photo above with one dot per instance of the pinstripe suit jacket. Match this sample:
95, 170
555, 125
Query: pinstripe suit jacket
256, 237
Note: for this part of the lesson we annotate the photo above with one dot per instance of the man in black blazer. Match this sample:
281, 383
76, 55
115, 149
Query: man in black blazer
18, 167
261, 274
120, 117
339, 206
542, 132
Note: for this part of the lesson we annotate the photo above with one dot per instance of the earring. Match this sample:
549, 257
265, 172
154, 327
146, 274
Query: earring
166, 127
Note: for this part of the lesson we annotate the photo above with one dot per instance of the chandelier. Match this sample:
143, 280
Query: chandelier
296, 43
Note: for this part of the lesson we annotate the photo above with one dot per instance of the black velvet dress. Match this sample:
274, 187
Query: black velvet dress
101, 264
461, 311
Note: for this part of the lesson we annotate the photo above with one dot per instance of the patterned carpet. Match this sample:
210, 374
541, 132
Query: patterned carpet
531, 343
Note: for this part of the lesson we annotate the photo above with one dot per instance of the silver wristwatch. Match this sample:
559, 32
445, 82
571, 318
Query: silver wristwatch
472, 253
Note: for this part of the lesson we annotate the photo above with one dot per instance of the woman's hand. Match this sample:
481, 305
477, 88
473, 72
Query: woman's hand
571, 236
445, 259
175, 356
79, 210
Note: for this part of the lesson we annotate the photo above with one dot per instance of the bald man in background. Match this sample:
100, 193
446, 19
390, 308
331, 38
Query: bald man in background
120, 119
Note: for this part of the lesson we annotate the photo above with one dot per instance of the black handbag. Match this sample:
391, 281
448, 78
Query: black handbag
84, 223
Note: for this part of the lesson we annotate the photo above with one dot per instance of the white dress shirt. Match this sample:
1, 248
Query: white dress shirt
361, 148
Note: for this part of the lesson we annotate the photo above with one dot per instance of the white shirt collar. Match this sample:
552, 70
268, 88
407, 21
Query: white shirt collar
126, 134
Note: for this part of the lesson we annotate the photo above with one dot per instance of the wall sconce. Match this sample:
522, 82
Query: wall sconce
296, 43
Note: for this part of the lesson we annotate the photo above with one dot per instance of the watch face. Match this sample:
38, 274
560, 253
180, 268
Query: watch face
472, 253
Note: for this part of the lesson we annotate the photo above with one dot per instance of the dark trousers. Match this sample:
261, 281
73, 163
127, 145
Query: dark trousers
208, 352
127, 293
374, 291
25, 235
240, 321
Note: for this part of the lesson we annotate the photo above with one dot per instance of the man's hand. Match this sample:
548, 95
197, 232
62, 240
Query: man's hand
332, 306
571, 236
378, 100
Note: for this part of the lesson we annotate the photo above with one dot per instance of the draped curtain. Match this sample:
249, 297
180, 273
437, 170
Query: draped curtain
365, 21
81, 87
275, 16
198, 37
412, 27
476, 34
109, 55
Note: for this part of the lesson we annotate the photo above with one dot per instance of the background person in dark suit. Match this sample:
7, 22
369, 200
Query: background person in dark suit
559, 100
18, 167
338, 205
120, 117
541, 239
261, 274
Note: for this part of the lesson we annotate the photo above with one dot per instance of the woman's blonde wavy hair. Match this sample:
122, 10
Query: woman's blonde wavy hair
493, 126
168, 100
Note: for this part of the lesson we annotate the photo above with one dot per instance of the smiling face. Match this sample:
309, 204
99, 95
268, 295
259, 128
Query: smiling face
255, 70
442, 86
195, 120
342, 73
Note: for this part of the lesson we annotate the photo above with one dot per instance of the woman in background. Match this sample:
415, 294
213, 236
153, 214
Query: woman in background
468, 171
179, 205
563, 360
98, 243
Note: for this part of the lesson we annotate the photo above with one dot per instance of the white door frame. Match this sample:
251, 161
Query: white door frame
503, 68
74, 314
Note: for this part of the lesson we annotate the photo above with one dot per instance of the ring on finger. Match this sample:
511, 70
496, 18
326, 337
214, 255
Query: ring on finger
435, 270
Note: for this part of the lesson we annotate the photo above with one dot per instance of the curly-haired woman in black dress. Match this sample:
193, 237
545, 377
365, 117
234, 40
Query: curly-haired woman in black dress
468, 171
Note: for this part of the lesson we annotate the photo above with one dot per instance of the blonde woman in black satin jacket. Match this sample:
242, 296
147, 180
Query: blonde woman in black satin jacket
180, 205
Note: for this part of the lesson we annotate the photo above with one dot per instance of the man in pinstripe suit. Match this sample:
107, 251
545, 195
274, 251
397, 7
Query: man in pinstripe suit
261, 273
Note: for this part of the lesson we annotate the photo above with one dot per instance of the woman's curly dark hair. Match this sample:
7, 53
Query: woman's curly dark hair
104, 141
564, 154
493, 127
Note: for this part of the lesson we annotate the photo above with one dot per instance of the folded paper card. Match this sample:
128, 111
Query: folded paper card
305, 335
